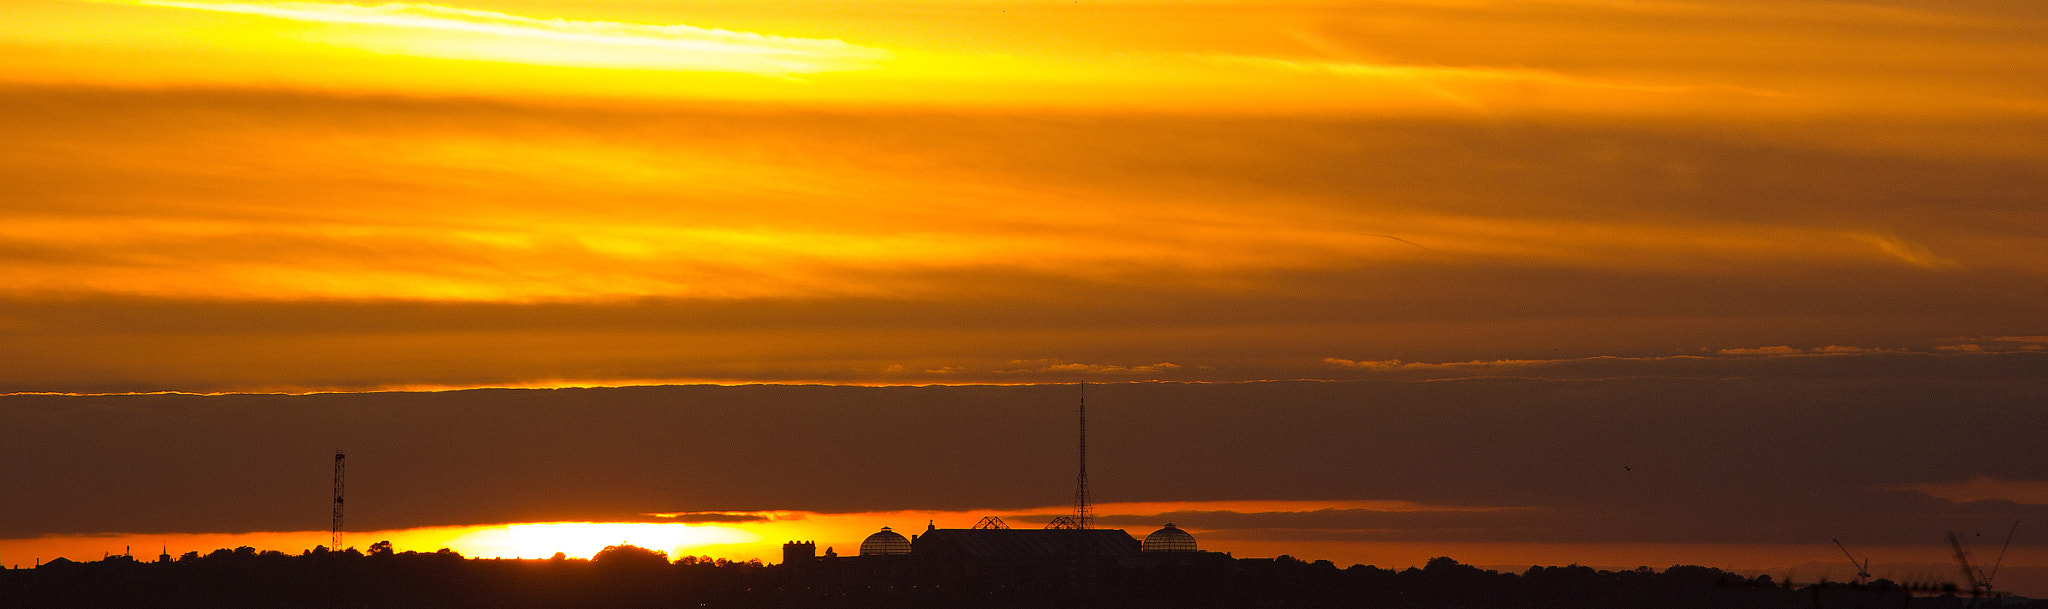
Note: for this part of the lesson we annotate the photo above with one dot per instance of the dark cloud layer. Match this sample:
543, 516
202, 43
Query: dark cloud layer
1644, 460
127, 344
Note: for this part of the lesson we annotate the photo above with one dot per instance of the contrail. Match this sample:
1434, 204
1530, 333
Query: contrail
1404, 241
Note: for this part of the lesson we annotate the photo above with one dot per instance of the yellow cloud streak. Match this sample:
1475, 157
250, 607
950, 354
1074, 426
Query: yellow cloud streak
522, 217
596, 205
1596, 58
1412, 72
427, 30
216, 258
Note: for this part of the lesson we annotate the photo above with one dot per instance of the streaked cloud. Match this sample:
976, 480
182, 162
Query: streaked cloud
1476, 88
1777, 361
263, 241
1613, 60
1056, 366
1776, 350
1913, 253
429, 30
451, 201
1985, 488
1772, 350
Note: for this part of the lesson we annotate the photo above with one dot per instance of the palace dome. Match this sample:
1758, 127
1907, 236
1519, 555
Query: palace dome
886, 542
1169, 539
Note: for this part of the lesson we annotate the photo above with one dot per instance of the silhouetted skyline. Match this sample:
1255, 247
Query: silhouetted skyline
1514, 463
1595, 282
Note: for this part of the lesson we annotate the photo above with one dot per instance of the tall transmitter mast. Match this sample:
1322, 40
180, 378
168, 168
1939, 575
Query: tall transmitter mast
1083, 512
340, 467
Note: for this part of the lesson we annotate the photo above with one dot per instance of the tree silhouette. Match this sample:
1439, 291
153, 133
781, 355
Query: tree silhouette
625, 576
629, 555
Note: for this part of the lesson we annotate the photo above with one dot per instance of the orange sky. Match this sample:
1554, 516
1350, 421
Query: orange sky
519, 193
1783, 209
1925, 60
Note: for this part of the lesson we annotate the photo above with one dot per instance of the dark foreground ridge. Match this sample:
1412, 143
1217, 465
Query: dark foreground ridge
632, 577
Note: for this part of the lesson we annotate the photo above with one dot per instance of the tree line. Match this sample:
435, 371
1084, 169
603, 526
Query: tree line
631, 577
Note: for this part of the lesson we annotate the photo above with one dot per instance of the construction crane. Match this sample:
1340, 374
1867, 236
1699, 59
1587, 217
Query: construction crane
2001, 553
1969, 572
1862, 568
1980, 582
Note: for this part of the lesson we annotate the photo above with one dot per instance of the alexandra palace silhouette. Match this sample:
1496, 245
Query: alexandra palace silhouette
991, 555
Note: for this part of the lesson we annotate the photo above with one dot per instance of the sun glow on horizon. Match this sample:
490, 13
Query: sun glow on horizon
585, 539
757, 536
740, 536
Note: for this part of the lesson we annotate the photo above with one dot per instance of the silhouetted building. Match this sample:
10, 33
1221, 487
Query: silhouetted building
1169, 539
960, 567
799, 552
884, 543
1024, 546
955, 567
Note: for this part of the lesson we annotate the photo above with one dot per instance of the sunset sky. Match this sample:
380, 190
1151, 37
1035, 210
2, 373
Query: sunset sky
1784, 262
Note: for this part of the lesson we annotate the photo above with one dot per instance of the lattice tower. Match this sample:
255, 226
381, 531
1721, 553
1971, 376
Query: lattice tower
1084, 511
340, 471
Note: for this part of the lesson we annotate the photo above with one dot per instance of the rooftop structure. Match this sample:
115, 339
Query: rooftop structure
1026, 545
1169, 539
884, 543
799, 551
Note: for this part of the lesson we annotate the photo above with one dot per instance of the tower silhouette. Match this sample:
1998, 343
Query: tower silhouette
340, 464
1083, 511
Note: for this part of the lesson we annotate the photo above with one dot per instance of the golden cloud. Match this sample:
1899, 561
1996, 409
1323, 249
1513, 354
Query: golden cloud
443, 32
